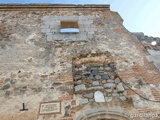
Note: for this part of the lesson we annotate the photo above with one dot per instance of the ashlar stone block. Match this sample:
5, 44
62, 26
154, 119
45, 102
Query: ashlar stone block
80, 87
45, 30
83, 101
49, 37
99, 97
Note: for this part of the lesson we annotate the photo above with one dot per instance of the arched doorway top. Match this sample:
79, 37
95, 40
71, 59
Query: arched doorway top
103, 113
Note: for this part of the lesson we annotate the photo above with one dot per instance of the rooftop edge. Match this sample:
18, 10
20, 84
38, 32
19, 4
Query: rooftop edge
52, 6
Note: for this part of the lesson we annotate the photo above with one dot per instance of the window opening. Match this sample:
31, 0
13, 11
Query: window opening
69, 27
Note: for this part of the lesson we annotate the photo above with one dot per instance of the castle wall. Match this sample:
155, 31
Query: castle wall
37, 62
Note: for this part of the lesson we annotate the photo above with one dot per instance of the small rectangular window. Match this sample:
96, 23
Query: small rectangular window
69, 27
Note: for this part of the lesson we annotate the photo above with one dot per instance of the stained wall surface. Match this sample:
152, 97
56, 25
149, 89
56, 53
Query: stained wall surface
38, 64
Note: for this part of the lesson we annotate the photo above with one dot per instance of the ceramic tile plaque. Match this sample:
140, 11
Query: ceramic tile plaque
50, 107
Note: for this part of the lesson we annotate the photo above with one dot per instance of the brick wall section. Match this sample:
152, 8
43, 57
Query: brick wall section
150, 78
66, 97
63, 79
156, 94
1, 82
67, 118
148, 110
140, 92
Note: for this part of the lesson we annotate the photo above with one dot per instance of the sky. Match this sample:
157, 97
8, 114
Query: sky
138, 15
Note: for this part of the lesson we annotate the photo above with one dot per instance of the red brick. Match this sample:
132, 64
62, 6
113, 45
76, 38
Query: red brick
130, 92
66, 97
67, 118
155, 93
69, 83
1, 82
13, 75
64, 78
73, 102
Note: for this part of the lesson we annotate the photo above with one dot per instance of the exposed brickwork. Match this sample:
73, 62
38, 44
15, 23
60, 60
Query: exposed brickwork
63, 79
68, 118
156, 94
131, 93
73, 102
1, 83
148, 110
151, 78
66, 97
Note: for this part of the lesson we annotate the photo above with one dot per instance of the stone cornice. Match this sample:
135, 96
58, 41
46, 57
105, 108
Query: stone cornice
12, 7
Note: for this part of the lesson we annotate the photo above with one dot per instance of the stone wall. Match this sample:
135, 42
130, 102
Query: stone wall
52, 29
97, 81
154, 50
37, 62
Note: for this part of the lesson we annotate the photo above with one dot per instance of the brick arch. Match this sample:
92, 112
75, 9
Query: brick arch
103, 114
